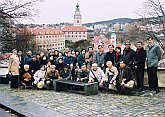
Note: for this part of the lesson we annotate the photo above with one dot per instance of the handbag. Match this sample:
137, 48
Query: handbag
112, 87
9, 76
130, 84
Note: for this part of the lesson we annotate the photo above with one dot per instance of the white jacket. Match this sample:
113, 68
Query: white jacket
99, 74
38, 75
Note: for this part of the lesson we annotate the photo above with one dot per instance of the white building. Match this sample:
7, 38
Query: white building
47, 38
113, 38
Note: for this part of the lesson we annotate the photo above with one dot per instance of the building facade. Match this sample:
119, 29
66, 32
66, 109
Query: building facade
47, 38
77, 31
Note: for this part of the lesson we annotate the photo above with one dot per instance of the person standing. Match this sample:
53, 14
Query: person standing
14, 68
28, 57
110, 56
89, 57
81, 58
21, 60
153, 56
128, 55
100, 57
140, 58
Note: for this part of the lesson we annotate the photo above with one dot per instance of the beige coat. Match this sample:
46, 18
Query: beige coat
14, 64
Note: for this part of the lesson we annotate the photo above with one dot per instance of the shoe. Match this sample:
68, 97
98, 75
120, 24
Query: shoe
140, 89
157, 90
152, 93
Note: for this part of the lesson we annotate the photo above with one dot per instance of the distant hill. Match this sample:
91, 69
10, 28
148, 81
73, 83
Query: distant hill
118, 20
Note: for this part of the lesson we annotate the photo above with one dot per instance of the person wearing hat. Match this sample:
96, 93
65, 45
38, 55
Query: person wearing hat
13, 68
65, 73
124, 81
51, 75
28, 56
111, 73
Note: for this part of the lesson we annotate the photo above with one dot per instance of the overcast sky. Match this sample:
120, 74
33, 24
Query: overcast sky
57, 11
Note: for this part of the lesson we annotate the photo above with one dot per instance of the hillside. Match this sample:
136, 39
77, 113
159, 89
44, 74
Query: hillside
118, 20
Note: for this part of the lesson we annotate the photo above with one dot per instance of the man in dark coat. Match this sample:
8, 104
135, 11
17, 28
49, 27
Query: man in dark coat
70, 59
128, 55
125, 75
33, 64
140, 57
110, 56
21, 60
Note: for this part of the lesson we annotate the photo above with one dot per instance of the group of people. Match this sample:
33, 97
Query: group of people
113, 70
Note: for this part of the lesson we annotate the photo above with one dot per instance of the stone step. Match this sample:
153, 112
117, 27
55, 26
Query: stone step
26, 108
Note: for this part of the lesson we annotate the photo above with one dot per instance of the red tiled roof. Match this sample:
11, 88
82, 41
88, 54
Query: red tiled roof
74, 28
42, 31
96, 39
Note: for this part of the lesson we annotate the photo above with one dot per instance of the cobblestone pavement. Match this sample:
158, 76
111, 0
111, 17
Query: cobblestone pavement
101, 105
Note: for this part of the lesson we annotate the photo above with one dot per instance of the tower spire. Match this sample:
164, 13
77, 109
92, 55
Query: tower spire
77, 16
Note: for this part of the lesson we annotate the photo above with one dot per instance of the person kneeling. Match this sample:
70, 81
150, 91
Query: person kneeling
96, 74
125, 81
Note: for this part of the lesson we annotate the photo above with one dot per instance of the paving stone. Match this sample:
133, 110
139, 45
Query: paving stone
103, 104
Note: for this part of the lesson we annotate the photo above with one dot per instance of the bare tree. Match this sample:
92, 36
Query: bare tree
10, 12
25, 39
153, 17
20, 8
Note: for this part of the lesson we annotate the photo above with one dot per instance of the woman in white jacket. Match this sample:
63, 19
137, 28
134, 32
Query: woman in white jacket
39, 75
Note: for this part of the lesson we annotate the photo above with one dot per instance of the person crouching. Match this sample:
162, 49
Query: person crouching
26, 77
39, 77
111, 73
96, 74
125, 81
51, 75
83, 74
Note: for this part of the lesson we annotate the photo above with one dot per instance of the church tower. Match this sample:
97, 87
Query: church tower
113, 38
77, 17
